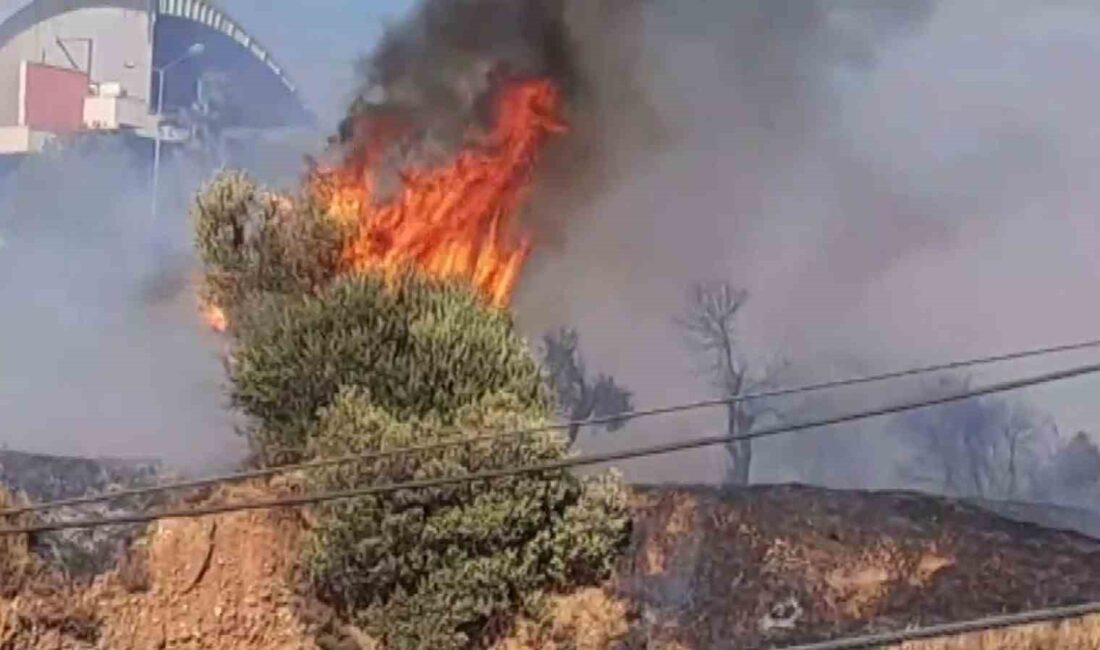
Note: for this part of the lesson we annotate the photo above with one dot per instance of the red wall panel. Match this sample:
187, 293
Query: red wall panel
54, 98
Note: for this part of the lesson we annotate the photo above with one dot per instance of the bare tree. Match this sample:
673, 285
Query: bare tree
578, 396
1073, 473
709, 322
988, 448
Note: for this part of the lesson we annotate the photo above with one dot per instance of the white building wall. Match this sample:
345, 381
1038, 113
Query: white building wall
121, 51
20, 140
110, 113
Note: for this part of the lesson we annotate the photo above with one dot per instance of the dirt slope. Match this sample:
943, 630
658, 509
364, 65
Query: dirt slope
767, 567
222, 582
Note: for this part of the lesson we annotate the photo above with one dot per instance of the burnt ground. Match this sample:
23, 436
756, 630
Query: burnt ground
762, 567
771, 566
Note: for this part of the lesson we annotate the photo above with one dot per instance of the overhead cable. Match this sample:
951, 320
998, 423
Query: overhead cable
551, 466
321, 463
1030, 617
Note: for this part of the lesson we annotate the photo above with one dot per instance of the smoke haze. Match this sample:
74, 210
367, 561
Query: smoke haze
101, 349
319, 43
894, 183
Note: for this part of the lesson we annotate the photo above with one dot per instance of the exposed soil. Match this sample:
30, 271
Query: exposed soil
764, 567
221, 582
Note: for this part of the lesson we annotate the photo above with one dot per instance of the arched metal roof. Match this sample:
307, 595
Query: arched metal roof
203, 12
17, 16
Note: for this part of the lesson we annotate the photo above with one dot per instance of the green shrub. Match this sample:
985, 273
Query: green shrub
254, 244
418, 346
432, 568
328, 365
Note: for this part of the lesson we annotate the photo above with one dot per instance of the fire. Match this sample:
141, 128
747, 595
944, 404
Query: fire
457, 221
214, 317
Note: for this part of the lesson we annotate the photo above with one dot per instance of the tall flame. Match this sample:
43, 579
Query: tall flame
456, 221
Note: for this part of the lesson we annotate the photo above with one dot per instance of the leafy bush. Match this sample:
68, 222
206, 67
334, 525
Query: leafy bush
254, 244
418, 346
433, 568
329, 365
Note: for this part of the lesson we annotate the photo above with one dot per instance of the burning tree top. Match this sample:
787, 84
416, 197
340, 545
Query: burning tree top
457, 220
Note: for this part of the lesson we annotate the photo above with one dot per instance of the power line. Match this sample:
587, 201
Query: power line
578, 461
1050, 615
447, 444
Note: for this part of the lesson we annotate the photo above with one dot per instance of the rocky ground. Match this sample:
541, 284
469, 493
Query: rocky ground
765, 567
39, 478
48, 478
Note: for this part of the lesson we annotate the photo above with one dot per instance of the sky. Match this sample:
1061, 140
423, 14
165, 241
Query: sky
318, 41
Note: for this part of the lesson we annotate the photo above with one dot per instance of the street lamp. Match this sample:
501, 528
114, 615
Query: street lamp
193, 51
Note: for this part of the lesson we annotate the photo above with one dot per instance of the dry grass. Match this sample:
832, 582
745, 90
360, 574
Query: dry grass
1079, 634
16, 561
654, 557
589, 619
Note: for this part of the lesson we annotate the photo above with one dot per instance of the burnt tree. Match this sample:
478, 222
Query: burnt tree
710, 326
580, 397
987, 448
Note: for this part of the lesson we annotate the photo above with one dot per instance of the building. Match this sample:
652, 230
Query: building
71, 67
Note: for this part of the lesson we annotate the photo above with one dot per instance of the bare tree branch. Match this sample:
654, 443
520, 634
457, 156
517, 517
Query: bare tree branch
709, 327
579, 398
986, 448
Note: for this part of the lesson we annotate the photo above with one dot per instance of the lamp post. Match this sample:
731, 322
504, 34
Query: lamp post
193, 51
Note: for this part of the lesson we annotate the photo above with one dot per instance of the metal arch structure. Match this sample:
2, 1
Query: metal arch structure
258, 93
18, 16
203, 12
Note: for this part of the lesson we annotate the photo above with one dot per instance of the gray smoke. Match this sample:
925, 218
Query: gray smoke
894, 183
101, 349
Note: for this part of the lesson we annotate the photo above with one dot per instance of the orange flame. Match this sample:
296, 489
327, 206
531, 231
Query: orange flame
455, 221
214, 317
